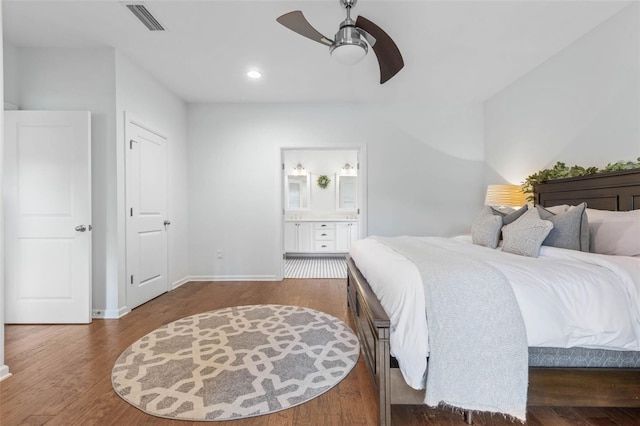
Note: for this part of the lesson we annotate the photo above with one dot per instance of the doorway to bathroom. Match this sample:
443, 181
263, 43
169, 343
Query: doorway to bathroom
323, 199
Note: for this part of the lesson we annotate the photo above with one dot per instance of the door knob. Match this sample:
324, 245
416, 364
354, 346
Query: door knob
167, 222
81, 228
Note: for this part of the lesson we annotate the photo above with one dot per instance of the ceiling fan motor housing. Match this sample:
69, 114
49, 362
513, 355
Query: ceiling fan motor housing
349, 35
348, 47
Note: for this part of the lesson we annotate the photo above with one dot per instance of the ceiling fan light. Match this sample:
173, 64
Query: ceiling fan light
348, 54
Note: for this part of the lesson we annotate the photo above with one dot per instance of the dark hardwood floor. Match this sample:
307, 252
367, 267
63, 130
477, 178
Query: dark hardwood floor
62, 373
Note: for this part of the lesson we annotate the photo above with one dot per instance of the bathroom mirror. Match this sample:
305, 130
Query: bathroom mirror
346, 193
297, 189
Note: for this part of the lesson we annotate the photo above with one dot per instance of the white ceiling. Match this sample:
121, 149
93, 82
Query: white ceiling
462, 51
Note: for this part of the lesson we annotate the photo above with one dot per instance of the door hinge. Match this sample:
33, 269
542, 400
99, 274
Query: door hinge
358, 166
358, 211
131, 212
131, 279
282, 166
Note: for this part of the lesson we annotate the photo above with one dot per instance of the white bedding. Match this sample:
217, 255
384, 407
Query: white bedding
567, 298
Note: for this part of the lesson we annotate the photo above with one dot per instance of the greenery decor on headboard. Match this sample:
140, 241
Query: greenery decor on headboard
323, 181
560, 170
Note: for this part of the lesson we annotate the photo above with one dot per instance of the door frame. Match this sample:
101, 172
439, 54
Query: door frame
362, 191
130, 118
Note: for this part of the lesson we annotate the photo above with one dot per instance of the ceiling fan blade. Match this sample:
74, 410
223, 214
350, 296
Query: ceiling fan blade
296, 22
389, 57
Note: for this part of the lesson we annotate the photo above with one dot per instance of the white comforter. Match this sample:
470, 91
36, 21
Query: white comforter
567, 298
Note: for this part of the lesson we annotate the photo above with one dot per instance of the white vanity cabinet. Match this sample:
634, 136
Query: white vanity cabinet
324, 235
298, 237
346, 233
319, 236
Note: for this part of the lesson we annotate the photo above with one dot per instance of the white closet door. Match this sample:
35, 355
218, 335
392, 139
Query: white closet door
47, 196
146, 162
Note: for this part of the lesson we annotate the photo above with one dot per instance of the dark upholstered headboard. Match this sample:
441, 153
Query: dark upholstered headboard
605, 191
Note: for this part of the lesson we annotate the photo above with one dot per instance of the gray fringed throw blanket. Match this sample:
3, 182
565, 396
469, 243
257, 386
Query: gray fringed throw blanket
478, 358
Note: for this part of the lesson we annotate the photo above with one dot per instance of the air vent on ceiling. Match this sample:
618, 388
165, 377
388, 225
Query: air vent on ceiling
143, 14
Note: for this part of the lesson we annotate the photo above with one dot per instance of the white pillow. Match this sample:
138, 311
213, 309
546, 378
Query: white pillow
614, 233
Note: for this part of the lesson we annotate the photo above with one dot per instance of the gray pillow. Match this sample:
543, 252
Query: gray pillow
485, 230
570, 229
525, 235
510, 215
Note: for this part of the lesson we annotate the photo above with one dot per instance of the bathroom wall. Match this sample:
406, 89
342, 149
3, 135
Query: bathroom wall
318, 163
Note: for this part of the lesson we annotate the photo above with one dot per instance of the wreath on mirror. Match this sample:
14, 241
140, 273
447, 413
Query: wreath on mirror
323, 181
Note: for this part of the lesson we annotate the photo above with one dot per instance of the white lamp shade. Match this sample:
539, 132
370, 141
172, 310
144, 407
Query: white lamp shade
504, 195
348, 54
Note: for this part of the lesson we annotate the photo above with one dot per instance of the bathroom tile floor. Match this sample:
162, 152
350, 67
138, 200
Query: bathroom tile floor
315, 267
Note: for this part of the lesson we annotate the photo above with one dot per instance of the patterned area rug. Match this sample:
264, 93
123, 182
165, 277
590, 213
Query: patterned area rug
235, 362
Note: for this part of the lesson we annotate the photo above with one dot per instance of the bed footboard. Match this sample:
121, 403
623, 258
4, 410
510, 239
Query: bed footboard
372, 327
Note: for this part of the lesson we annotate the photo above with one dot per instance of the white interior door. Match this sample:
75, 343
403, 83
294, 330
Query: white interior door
146, 195
47, 199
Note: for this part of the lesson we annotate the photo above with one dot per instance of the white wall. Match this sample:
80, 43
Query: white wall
582, 106
140, 95
4, 370
318, 163
107, 84
83, 79
417, 181
11, 76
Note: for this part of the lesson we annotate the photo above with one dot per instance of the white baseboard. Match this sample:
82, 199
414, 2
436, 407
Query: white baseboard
181, 281
232, 278
119, 313
110, 313
4, 372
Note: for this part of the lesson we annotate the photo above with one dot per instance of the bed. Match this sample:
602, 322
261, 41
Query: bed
548, 385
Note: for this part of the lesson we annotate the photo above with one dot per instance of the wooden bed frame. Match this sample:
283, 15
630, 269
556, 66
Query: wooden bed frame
578, 387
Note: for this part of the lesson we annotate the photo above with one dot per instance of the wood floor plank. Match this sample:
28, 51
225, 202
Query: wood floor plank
633, 413
281, 418
622, 418
62, 373
37, 420
550, 416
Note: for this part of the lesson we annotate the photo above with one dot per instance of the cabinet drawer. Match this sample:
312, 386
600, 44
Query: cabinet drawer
324, 246
324, 225
324, 235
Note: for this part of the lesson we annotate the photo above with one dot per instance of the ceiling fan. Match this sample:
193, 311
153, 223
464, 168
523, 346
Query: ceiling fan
350, 44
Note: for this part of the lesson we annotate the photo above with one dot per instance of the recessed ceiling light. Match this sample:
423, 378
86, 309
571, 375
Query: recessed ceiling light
254, 74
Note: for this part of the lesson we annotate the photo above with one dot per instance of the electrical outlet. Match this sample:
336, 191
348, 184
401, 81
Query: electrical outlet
219, 254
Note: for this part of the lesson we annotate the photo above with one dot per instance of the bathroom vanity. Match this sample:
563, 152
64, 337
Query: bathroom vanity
315, 236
